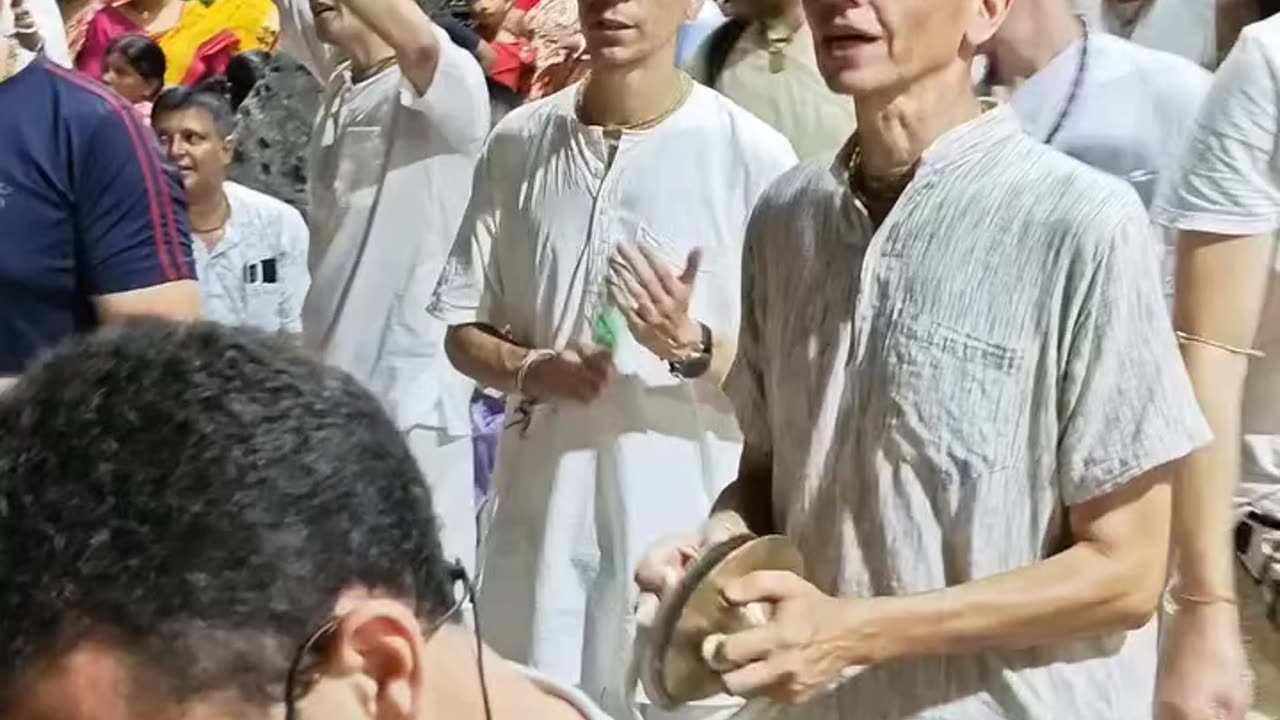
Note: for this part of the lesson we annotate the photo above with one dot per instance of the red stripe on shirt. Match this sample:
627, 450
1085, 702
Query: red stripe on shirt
159, 203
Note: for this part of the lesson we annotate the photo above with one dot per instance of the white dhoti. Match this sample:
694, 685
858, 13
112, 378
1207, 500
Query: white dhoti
447, 465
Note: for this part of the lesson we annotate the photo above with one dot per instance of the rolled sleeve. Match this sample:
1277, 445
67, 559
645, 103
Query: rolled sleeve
1228, 182
131, 214
456, 103
470, 284
1126, 403
745, 384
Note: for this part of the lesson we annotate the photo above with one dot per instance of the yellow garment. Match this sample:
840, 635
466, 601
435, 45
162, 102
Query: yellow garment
256, 23
795, 100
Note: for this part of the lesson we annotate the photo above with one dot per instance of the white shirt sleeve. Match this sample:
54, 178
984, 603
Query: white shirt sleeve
457, 102
49, 20
298, 39
1228, 182
470, 284
293, 271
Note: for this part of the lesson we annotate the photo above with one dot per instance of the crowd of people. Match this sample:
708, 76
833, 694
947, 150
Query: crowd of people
384, 358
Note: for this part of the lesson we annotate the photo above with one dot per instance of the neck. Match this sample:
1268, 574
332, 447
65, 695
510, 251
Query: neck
1044, 31
626, 96
143, 6
894, 131
367, 52
455, 691
207, 211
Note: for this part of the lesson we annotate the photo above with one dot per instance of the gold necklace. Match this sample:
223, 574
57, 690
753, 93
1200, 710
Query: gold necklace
686, 89
878, 194
373, 70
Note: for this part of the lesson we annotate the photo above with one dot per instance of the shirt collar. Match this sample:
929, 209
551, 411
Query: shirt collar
995, 125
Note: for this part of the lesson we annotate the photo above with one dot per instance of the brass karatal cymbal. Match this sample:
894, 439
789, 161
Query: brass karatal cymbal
696, 609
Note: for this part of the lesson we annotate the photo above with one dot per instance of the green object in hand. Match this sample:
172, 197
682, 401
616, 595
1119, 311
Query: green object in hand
607, 329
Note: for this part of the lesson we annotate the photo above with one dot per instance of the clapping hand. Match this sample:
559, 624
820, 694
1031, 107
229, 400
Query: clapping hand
655, 301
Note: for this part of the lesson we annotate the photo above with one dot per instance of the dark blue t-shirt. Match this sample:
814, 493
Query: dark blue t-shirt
87, 208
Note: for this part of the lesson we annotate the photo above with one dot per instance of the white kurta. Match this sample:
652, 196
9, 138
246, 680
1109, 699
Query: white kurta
389, 173
582, 493
1182, 27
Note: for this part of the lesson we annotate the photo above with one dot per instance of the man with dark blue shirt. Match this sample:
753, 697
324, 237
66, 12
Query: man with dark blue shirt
93, 228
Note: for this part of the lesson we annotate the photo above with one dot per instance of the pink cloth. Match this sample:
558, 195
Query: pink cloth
106, 25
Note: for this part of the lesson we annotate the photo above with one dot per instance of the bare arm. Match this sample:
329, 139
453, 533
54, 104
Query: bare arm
747, 502
179, 300
402, 25
1221, 289
482, 354
1108, 580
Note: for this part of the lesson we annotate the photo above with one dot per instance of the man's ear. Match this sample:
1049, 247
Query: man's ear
381, 640
985, 20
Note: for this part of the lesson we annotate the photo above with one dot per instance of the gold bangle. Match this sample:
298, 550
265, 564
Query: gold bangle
1184, 598
1185, 338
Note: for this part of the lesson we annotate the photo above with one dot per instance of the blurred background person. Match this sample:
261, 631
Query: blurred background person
1106, 101
38, 27
1225, 202
403, 120
243, 73
1182, 27
695, 31
560, 52
763, 59
198, 38
510, 70
95, 226
250, 249
134, 68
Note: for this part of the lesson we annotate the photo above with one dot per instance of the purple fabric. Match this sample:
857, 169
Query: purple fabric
486, 427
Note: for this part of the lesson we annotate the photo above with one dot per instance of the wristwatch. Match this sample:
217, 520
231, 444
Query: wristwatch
697, 365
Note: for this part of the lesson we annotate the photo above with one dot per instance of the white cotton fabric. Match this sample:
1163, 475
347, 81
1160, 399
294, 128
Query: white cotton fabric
1229, 184
1182, 27
937, 392
389, 174
581, 495
48, 19
234, 286
1131, 117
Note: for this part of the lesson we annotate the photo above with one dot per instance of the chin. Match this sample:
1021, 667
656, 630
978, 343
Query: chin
615, 56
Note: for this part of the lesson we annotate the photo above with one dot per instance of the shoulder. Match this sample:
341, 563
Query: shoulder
80, 101
263, 211
790, 212
1172, 82
753, 137
518, 132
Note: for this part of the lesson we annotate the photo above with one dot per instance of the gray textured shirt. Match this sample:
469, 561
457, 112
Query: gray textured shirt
936, 393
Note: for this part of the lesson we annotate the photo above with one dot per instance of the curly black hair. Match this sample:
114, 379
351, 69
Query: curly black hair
202, 496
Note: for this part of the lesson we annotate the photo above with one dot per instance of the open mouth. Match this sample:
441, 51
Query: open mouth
843, 38
611, 25
318, 9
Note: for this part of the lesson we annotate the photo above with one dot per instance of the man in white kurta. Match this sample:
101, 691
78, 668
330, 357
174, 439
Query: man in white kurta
581, 488
390, 168
1182, 27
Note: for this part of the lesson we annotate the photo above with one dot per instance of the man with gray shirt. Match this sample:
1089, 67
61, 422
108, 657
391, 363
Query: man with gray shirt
959, 390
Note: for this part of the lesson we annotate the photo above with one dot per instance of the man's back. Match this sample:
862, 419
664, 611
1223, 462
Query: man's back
86, 209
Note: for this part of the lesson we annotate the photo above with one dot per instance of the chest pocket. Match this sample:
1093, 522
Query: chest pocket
263, 294
953, 400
